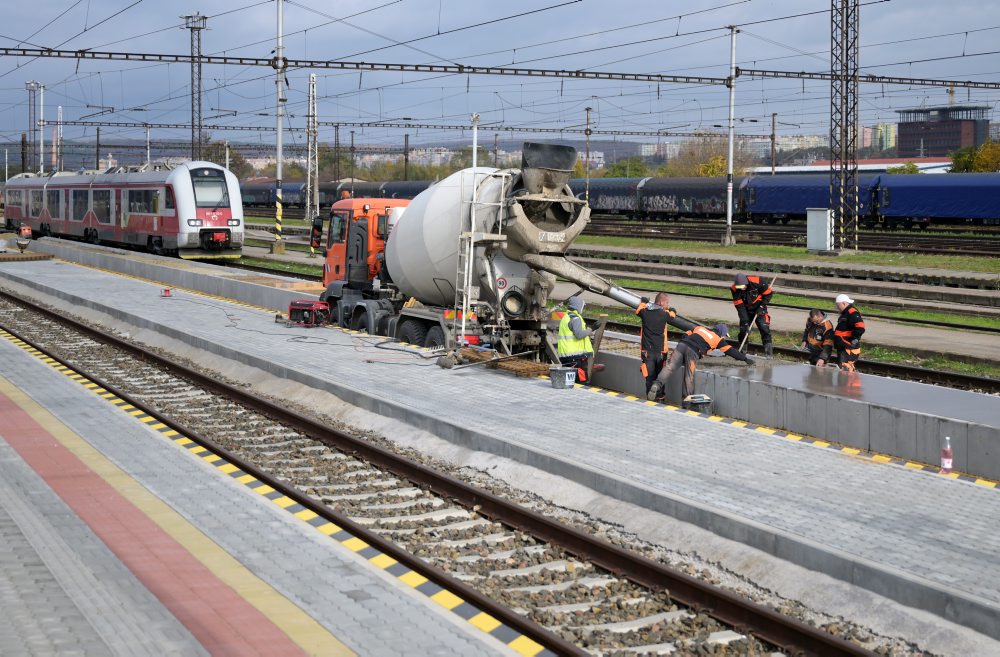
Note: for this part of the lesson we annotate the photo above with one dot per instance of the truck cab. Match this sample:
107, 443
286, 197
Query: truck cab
353, 270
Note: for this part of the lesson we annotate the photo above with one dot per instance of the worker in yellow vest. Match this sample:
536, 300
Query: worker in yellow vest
574, 346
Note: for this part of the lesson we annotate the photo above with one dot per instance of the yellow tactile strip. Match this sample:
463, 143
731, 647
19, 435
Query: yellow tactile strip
810, 440
465, 610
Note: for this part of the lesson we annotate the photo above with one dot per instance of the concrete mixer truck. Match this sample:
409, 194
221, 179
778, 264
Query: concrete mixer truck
471, 260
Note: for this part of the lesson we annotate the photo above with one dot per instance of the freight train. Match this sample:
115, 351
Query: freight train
192, 210
258, 193
888, 200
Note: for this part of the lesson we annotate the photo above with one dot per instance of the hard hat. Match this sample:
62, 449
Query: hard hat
843, 298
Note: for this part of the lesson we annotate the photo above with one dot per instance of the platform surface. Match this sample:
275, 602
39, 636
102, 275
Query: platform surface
116, 541
921, 538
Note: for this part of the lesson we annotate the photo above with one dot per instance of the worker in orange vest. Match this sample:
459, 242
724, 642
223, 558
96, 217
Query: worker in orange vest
676, 381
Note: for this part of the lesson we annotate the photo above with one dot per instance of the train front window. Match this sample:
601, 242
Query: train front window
209, 188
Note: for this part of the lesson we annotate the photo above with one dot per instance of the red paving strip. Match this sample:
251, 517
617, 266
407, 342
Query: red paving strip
217, 616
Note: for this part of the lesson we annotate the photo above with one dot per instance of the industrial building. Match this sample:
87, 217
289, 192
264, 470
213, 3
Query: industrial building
938, 131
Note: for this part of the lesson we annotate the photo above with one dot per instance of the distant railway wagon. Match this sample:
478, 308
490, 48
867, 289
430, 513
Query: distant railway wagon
193, 210
770, 199
609, 195
908, 200
259, 193
672, 198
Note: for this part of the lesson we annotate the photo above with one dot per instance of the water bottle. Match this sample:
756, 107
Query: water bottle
946, 457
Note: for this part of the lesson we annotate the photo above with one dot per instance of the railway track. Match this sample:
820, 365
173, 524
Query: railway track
979, 246
566, 589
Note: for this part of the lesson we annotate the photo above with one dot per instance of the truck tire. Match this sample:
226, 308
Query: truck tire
412, 331
435, 337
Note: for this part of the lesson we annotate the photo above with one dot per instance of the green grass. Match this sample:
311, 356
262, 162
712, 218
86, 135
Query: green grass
289, 246
269, 219
951, 263
807, 303
869, 352
278, 265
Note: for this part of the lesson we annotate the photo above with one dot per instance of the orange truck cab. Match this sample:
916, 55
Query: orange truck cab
353, 271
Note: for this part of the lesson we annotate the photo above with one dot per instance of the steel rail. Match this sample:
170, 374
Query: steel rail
514, 620
792, 635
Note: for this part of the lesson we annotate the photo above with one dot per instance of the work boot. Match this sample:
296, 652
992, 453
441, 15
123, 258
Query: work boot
654, 391
768, 349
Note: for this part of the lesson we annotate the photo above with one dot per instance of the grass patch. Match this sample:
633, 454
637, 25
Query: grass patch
282, 266
897, 355
269, 219
807, 303
951, 263
289, 246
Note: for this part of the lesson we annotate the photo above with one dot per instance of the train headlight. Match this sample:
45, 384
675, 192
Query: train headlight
513, 303
194, 222
233, 222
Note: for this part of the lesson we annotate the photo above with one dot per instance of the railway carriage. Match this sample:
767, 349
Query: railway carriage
193, 210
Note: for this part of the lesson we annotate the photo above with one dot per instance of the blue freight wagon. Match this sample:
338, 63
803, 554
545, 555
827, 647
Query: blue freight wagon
921, 200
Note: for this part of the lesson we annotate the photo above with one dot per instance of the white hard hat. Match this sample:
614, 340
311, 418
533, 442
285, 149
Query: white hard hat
843, 298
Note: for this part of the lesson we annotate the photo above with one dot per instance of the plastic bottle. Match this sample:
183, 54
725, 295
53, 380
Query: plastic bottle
946, 456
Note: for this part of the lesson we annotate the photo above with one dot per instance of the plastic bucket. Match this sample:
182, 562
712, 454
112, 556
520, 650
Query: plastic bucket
698, 403
562, 377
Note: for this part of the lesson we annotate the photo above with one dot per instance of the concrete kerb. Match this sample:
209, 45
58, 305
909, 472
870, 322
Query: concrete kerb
957, 607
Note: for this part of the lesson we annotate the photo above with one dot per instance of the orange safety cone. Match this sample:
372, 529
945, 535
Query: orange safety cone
166, 293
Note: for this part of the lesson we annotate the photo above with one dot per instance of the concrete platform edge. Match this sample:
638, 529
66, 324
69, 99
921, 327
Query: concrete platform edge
977, 614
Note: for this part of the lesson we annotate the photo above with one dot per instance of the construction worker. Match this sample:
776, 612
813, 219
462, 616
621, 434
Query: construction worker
676, 381
574, 346
818, 337
847, 334
751, 296
653, 335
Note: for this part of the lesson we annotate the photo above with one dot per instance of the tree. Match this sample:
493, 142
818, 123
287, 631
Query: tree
906, 167
216, 152
702, 155
987, 158
961, 160
716, 166
632, 167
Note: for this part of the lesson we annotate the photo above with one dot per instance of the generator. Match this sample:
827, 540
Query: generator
308, 313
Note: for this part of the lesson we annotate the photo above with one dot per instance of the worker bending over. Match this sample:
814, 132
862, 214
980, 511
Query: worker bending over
847, 335
818, 337
751, 296
676, 381
653, 335
574, 346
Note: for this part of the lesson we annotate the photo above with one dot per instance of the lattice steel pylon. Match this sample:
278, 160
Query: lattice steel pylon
312, 160
32, 89
844, 52
195, 23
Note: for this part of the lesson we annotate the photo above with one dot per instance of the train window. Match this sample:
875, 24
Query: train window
102, 205
142, 201
209, 188
14, 197
52, 202
338, 224
35, 203
170, 198
80, 203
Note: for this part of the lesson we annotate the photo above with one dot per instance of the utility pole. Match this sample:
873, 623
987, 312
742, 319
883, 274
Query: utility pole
406, 156
279, 63
148, 150
774, 136
227, 155
731, 83
24, 152
32, 88
496, 150
844, 52
336, 153
195, 23
97, 150
311, 130
588, 131
59, 140
352, 164
41, 129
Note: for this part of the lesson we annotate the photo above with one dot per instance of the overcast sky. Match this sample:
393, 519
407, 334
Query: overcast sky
898, 36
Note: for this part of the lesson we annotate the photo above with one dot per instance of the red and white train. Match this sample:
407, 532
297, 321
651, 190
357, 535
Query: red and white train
193, 210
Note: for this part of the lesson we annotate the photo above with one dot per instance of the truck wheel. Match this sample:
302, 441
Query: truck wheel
435, 337
413, 332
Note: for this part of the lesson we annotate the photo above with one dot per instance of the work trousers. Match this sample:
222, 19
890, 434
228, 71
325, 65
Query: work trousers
677, 378
579, 361
651, 365
763, 321
815, 353
847, 358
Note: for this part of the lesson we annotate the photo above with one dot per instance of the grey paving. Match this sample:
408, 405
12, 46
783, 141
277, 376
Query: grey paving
365, 608
916, 537
62, 591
